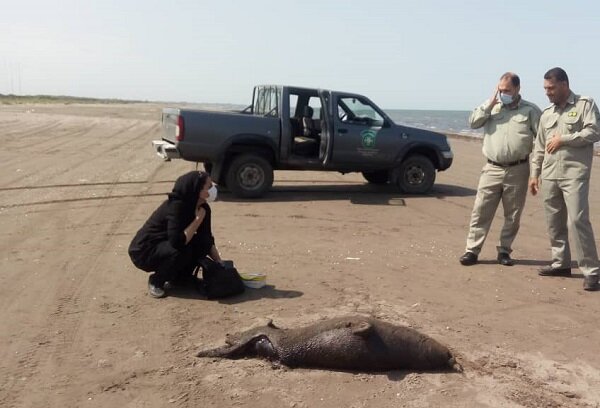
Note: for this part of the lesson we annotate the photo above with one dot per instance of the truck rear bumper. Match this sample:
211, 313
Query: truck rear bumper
165, 150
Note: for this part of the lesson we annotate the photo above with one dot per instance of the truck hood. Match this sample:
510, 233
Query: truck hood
438, 139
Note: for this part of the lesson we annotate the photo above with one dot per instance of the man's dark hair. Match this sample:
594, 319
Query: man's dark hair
514, 78
557, 74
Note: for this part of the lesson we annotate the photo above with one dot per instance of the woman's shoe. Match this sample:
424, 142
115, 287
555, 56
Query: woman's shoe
156, 291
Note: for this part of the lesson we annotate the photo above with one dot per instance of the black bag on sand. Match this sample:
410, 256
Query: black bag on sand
220, 281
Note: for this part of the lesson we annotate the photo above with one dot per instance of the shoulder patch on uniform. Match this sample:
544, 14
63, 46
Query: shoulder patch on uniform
530, 104
572, 114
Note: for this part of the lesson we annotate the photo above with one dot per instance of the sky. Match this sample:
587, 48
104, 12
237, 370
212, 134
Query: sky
426, 54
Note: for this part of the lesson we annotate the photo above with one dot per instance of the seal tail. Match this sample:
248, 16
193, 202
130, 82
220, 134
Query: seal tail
234, 351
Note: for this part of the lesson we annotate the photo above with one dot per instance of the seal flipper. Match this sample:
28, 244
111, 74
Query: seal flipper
455, 365
222, 352
271, 324
233, 350
362, 329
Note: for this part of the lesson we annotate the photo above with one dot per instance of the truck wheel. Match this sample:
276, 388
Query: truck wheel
415, 175
249, 176
377, 177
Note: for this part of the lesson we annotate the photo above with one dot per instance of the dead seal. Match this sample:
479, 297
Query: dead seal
353, 343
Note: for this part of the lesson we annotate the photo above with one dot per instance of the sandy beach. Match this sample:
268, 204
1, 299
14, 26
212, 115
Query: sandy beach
77, 328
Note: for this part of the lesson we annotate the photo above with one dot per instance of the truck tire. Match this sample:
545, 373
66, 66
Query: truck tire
377, 177
415, 175
249, 176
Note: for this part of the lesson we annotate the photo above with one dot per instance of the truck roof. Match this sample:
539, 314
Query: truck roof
306, 89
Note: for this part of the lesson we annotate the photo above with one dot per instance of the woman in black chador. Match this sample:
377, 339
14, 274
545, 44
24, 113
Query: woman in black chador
177, 235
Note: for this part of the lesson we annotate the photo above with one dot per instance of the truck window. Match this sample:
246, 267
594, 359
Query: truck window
293, 104
267, 101
260, 96
353, 110
273, 105
315, 103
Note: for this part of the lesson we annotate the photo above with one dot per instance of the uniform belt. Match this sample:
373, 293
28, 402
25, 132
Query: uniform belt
526, 159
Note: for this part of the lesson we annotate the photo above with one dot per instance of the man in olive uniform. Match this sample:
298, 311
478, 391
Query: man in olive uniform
563, 154
510, 125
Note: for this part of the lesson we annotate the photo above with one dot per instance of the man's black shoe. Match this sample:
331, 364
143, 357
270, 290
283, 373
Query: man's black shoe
505, 259
468, 259
550, 271
590, 282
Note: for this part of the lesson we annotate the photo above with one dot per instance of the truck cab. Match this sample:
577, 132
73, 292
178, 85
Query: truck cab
295, 128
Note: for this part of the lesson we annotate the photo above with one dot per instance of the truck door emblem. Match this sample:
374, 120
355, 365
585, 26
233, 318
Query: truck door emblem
368, 137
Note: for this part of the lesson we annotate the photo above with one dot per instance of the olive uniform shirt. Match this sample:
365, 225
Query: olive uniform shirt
578, 127
508, 133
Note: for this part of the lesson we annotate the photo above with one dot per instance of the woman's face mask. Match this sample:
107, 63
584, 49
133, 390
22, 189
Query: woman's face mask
212, 194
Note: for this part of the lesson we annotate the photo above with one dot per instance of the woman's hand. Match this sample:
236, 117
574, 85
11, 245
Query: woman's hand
200, 213
191, 229
214, 254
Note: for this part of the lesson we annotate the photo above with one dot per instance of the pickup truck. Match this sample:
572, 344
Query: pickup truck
294, 128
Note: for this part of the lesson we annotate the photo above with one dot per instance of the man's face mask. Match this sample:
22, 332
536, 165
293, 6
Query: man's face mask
506, 99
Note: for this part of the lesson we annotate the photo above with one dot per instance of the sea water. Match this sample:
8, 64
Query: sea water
443, 121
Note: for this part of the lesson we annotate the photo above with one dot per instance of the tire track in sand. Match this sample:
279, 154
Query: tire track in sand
49, 173
50, 346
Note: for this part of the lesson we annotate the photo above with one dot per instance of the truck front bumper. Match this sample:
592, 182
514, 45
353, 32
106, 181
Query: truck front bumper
165, 150
446, 159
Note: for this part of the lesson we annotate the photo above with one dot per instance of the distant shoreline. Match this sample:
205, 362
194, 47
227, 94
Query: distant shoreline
473, 138
464, 137
11, 99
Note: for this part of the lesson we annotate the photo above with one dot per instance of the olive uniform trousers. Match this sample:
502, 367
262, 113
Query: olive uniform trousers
567, 201
497, 183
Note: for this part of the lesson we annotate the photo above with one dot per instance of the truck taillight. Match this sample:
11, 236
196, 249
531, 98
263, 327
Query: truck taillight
179, 129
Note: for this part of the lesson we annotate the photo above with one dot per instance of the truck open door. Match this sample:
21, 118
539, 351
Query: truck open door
326, 143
